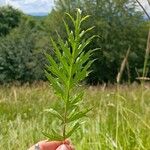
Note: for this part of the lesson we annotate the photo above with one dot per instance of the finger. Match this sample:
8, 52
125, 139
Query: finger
72, 147
67, 141
52, 145
64, 147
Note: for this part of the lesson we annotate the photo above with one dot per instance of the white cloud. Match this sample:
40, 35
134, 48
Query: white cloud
30, 6
145, 5
2, 2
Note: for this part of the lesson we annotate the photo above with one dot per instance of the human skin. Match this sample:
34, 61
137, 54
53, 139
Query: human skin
53, 145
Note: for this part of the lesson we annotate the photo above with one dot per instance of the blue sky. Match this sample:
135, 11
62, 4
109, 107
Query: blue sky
44, 6
30, 6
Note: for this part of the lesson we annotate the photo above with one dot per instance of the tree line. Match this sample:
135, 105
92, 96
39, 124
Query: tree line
119, 25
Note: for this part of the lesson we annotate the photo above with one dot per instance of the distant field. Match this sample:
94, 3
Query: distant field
119, 121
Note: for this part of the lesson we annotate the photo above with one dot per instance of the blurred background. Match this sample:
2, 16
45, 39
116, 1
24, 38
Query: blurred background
26, 27
120, 119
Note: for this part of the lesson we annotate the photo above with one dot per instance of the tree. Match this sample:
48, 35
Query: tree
67, 5
9, 19
119, 25
19, 61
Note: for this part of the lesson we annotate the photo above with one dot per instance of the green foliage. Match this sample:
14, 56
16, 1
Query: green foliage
18, 59
67, 5
119, 25
9, 19
65, 74
22, 118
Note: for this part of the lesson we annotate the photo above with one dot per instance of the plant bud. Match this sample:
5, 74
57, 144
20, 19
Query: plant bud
63, 147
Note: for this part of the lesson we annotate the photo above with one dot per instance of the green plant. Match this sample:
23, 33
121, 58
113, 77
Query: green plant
9, 19
19, 111
65, 73
118, 26
19, 61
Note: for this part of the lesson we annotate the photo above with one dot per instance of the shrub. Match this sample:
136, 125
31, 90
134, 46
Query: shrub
18, 59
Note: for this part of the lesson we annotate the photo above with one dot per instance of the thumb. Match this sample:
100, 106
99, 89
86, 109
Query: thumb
64, 147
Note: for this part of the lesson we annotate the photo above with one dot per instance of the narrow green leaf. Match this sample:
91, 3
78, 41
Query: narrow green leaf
72, 19
56, 85
83, 45
75, 127
80, 62
56, 134
75, 100
66, 27
82, 73
78, 97
52, 137
55, 113
85, 18
77, 115
58, 73
84, 57
58, 53
66, 50
72, 41
51, 60
84, 32
77, 24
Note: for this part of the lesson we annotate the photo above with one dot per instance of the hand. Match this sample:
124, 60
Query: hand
54, 145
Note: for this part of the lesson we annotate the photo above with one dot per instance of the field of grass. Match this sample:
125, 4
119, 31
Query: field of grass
119, 120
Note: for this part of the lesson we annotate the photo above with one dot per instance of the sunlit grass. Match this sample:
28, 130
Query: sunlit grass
22, 118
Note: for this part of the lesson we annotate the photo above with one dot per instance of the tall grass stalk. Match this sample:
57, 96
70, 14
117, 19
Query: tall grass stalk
145, 69
123, 64
147, 53
120, 73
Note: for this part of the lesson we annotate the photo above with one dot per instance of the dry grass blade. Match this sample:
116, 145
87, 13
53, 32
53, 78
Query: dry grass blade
143, 78
148, 44
147, 52
128, 71
124, 62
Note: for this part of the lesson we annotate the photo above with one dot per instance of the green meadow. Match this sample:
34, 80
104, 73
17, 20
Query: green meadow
120, 114
120, 119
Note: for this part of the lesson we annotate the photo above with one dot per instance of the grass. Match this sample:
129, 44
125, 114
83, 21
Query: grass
22, 118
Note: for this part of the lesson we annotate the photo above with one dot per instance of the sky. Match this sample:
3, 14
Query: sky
43, 6
145, 4
30, 6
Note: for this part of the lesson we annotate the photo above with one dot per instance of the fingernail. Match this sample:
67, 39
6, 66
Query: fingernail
63, 147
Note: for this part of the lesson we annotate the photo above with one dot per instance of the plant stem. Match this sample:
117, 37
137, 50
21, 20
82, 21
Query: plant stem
64, 127
65, 112
147, 52
117, 114
68, 95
